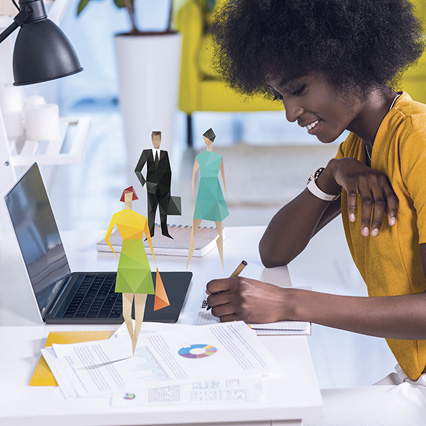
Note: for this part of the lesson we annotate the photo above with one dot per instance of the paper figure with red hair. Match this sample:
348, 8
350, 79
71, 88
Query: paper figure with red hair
134, 278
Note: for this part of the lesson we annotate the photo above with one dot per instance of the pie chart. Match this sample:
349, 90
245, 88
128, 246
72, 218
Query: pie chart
199, 350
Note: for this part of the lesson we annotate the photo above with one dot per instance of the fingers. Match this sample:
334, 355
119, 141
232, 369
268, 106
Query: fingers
229, 318
352, 195
392, 207
218, 299
216, 286
367, 203
377, 200
222, 311
379, 210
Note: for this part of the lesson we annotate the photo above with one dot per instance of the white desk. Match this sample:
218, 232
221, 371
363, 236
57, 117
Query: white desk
22, 336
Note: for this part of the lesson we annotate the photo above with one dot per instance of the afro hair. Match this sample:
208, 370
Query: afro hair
361, 43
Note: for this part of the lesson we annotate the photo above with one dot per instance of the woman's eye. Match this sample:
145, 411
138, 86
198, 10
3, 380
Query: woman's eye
299, 90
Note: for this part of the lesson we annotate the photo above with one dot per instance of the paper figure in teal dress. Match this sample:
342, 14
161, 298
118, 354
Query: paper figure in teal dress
134, 278
210, 204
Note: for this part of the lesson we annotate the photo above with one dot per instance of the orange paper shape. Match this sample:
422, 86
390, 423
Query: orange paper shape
161, 300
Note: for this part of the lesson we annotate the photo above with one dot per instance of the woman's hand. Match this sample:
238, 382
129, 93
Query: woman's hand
374, 188
252, 301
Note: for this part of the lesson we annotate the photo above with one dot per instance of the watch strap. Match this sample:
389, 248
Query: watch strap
313, 187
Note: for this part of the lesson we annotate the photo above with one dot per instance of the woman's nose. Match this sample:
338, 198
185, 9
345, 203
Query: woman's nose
292, 110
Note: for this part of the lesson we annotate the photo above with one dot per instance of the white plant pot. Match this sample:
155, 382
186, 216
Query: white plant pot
149, 74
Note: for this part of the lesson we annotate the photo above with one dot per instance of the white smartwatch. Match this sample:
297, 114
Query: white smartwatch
313, 188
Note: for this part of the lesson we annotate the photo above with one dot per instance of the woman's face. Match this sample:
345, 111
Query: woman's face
315, 105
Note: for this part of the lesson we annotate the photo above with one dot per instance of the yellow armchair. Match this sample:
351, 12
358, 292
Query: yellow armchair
414, 79
200, 88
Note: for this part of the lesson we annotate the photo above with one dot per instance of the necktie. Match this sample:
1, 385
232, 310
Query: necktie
157, 159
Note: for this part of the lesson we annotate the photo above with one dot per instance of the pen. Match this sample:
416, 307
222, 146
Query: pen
239, 269
237, 272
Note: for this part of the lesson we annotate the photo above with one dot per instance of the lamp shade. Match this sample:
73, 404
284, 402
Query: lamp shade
43, 52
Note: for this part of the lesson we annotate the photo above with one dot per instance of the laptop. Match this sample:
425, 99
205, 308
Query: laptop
66, 297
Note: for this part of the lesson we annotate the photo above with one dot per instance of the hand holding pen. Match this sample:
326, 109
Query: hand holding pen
237, 272
244, 299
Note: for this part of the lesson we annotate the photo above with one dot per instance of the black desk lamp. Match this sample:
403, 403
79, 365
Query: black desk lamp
42, 51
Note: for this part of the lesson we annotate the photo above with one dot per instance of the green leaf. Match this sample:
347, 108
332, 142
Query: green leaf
81, 5
119, 3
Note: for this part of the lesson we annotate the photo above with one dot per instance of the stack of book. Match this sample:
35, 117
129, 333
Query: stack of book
205, 241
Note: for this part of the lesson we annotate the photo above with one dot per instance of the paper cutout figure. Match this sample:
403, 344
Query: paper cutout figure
134, 278
158, 182
161, 300
210, 204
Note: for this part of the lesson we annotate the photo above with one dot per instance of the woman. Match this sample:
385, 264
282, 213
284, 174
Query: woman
331, 63
210, 204
134, 278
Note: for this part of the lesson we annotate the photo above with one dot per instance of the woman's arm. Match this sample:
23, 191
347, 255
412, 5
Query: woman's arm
297, 222
109, 232
148, 237
222, 171
291, 229
194, 170
395, 317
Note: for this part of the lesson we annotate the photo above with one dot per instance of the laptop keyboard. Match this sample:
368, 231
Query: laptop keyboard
95, 298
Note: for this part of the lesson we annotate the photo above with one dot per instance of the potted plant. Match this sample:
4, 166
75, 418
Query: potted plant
148, 64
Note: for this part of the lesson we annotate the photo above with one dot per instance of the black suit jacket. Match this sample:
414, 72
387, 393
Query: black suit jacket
158, 177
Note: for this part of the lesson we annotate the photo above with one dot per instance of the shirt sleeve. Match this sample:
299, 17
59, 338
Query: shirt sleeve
413, 171
340, 152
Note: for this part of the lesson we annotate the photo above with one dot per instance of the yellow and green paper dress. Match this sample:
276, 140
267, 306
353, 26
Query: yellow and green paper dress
210, 204
133, 272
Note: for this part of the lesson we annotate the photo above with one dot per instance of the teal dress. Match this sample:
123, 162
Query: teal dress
210, 204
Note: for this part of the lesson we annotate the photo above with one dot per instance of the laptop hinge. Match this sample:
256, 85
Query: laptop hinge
59, 295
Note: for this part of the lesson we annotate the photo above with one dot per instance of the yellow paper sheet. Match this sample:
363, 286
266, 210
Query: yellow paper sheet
42, 375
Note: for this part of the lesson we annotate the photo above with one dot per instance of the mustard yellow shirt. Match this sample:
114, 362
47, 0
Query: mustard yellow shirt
390, 263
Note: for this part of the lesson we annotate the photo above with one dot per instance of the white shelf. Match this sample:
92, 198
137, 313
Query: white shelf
53, 153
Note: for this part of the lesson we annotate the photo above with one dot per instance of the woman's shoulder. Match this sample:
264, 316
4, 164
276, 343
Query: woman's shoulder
209, 154
350, 147
411, 113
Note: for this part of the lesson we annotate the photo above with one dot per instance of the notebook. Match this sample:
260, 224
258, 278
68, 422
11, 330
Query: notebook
279, 328
205, 241
62, 296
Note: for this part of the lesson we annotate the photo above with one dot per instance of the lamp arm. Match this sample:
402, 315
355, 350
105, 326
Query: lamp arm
18, 20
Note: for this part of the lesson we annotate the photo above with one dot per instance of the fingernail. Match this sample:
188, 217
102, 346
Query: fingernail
392, 221
374, 232
365, 232
352, 217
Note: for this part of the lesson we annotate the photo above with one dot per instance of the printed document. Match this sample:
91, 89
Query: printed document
187, 355
245, 389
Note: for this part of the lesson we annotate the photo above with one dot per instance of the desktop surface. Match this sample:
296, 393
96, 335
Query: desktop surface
293, 396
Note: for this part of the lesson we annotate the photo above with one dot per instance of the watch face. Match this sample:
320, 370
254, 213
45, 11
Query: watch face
318, 172
315, 174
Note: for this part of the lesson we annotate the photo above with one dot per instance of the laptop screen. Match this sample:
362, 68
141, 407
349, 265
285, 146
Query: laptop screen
38, 236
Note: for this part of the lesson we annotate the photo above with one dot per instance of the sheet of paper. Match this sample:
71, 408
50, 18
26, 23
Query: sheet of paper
152, 327
61, 378
88, 368
205, 317
189, 354
212, 352
95, 353
245, 389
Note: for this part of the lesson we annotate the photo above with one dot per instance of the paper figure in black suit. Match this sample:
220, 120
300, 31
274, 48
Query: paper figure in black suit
158, 181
